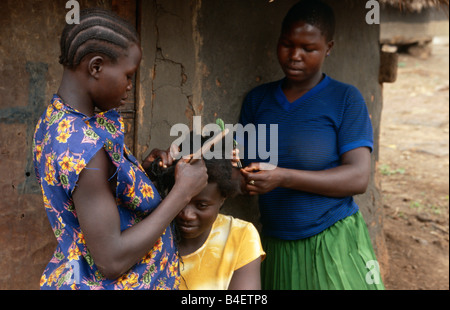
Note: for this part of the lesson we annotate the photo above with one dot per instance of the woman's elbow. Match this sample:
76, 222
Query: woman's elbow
361, 184
110, 270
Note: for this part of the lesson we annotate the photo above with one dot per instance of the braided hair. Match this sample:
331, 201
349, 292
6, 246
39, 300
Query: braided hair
99, 31
313, 12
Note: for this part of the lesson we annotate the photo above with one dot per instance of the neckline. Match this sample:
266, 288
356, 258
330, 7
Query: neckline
62, 106
202, 247
287, 105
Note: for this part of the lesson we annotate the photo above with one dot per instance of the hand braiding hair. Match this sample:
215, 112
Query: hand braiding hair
219, 171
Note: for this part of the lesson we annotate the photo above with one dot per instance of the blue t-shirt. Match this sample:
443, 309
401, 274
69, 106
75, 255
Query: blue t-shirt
313, 132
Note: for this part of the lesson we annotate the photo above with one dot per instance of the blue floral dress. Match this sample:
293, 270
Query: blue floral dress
64, 142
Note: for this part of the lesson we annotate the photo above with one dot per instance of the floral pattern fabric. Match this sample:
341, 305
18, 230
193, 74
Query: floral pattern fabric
64, 142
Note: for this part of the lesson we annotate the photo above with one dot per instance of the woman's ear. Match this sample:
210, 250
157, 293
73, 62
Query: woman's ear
95, 66
330, 47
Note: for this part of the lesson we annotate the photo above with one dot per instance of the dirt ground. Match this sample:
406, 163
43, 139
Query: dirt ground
414, 172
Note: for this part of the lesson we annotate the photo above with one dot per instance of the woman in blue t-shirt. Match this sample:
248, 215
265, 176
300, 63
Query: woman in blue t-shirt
312, 230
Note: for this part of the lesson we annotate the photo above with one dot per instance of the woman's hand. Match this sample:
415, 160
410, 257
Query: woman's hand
261, 178
167, 157
235, 159
190, 176
350, 178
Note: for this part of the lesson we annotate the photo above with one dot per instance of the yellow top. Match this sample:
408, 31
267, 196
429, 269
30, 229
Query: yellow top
231, 244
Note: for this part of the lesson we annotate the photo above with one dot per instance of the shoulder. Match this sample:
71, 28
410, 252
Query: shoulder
68, 134
235, 227
243, 240
348, 91
65, 125
263, 89
87, 135
255, 98
228, 220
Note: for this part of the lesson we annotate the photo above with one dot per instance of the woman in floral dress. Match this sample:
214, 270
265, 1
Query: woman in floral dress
113, 229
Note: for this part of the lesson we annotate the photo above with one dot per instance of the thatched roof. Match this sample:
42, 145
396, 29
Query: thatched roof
416, 5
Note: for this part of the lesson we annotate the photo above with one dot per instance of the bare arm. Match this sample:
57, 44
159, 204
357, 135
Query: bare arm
115, 251
349, 178
247, 277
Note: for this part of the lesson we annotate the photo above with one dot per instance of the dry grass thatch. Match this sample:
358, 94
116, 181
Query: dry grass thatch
416, 5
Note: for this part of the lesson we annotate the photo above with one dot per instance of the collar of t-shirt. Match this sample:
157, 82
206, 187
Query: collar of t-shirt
284, 102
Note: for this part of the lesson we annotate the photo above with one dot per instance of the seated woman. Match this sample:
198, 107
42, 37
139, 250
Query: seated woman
218, 251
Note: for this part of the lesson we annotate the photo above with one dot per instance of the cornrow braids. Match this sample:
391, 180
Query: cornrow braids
99, 31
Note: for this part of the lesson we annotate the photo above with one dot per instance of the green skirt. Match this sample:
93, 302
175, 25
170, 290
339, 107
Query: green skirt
339, 258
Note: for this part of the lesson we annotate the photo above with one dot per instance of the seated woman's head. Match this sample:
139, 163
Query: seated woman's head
200, 213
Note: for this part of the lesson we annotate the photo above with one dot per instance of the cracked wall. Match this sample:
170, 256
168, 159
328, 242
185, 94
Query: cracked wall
168, 72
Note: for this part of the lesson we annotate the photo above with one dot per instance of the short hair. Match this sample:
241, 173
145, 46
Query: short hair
313, 12
219, 171
99, 31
